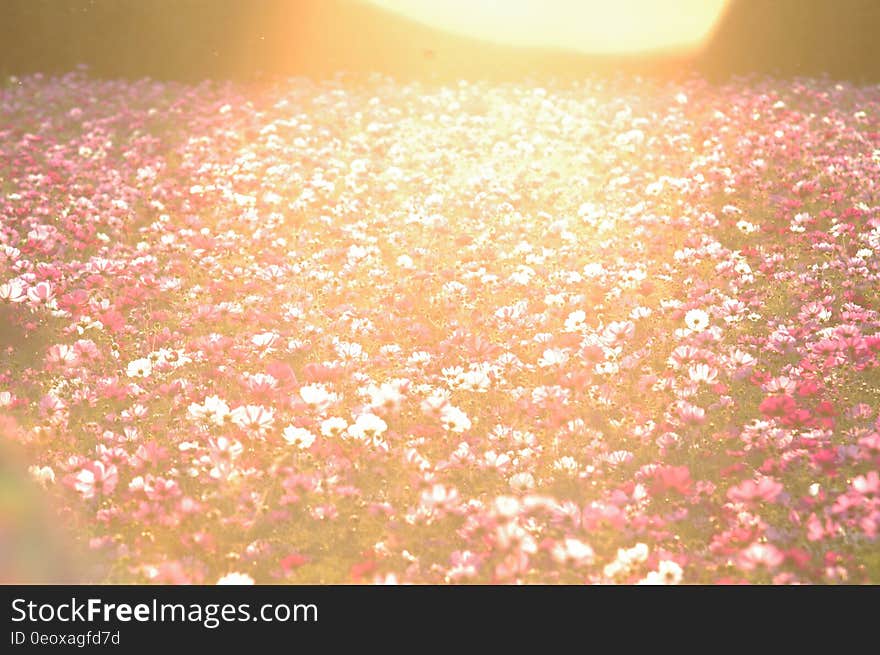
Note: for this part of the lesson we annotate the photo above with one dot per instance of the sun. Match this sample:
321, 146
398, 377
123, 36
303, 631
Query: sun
593, 26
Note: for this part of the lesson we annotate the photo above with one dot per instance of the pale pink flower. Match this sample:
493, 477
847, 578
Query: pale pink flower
13, 291
763, 489
760, 555
253, 416
41, 292
96, 479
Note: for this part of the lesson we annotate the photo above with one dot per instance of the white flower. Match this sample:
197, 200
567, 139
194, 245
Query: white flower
701, 372
350, 350
419, 357
573, 550
265, 339
670, 572
522, 481
453, 376
454, 419
566, 464
696, 320
296, 436
254, 416
436, 401
552, 357
386, 396
316, 395
667, 573
638, 553
236, 579
491, 459
214, 409
42, 474
171, 358
139, 368
575, 320
440, 496
745, 227
333, 426
476, 379
626, 558
13, 291
507, 506
367, 426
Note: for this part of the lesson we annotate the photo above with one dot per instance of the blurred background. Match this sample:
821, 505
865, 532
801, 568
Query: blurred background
36, 541
440, 39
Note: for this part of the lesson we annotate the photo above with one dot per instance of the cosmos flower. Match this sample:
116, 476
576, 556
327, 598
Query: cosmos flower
213, 409
385, 396
299, 437
667, 573
522, 481
763, 489
367, 426
253, 416
139, 368
333, 426
696, 320
316, 395
13, 291
454, 419
552, 357
96, 479
494, 368
42, 474
573, 550
760, 555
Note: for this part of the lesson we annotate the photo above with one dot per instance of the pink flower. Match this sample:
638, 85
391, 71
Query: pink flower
96, 479
763, 489
760, 555
618, 331
435, 374
778, 406
441, 497
292, 561
40, 293
703, 373
672, 478
463, 565
691, 414
867, 484
62, 355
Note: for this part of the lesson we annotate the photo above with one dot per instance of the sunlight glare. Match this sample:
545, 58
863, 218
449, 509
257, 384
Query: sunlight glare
592, 26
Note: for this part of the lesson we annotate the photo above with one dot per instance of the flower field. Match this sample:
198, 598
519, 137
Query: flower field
359, 331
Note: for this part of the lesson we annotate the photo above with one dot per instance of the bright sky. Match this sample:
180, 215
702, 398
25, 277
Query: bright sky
594, 26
